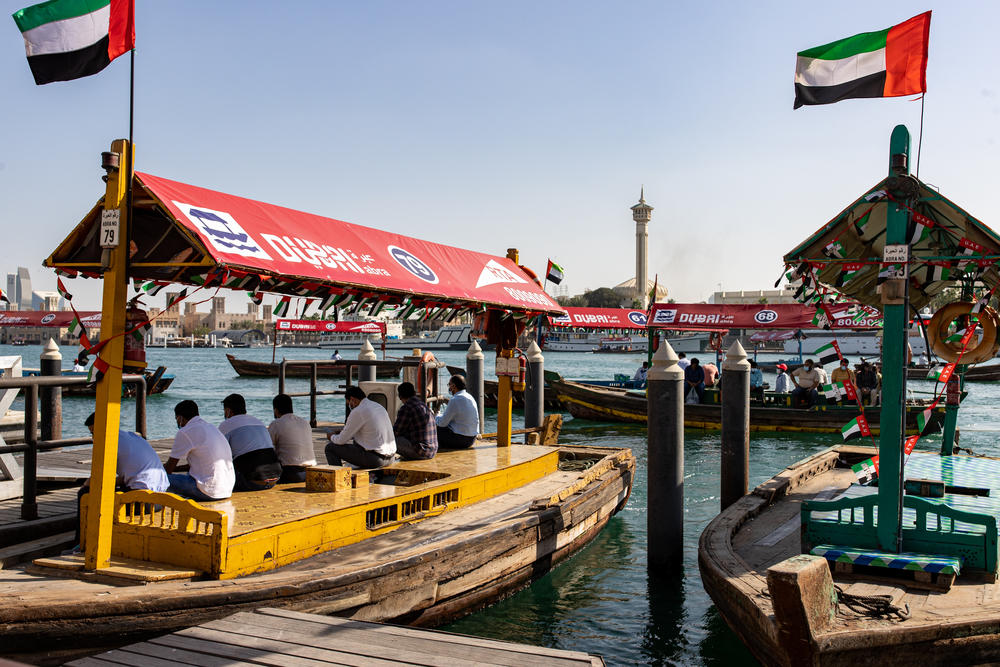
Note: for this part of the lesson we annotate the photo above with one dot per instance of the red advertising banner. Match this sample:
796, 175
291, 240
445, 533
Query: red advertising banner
600, 318
42, 318
735, 316
331, 327
262, 237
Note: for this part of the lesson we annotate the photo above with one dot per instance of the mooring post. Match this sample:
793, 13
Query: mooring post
366, 373
665, 460
51, 397
475, 368
534, 389
735, 425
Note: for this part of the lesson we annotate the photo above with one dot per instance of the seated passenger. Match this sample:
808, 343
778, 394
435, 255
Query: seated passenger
292, 439
137, 466
458, 427
640, 373
416, 432
756, 382
782, 384
366, 440
807, 381
694, 378
254, 458
211, 476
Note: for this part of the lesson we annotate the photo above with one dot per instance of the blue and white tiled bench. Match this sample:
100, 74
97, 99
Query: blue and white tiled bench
925, 568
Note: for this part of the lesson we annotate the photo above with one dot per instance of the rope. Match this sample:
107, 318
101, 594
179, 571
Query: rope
873, 606
576, 466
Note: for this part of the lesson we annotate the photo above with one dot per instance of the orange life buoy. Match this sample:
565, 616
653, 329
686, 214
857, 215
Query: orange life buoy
937, 333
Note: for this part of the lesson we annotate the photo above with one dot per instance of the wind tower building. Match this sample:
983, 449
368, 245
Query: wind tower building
641, 213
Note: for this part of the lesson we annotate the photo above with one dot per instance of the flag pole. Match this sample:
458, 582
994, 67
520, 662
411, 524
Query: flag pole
130, 162
920, 136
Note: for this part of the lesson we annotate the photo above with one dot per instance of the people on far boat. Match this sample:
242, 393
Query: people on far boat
254, 458
807, 380
367, 440
869, 380
292, 438
458, 426
640, 373
782, 384
694, 378
415, 428
80, 363
843, 374
211, 475
336, 355
137, 466
711, 374
682, 361
756, 382
923, 360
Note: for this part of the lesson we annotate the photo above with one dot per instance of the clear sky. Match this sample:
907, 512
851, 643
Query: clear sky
490, 125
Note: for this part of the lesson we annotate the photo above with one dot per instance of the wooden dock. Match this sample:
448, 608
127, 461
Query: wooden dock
279, 637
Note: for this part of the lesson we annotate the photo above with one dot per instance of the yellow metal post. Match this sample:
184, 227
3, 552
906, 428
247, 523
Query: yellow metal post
109, 389
505, 400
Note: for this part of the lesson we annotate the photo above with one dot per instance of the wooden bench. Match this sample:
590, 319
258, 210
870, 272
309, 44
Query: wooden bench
924, 568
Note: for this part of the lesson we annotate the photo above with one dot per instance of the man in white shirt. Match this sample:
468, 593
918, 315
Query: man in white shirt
682, 361
254, 458
211, 475
640, 373
293, 441
459, 425
367, 440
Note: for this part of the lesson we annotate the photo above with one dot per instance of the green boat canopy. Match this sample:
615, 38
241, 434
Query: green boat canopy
947, 245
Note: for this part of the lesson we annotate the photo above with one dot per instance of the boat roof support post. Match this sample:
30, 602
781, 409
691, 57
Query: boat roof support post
109, 387
894, 293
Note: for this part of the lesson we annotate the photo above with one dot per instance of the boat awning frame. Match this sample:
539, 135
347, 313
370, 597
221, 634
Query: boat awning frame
189, 235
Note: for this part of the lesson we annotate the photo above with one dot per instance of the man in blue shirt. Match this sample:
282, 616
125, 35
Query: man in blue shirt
694, 378
458, 427
756, 382
254, 458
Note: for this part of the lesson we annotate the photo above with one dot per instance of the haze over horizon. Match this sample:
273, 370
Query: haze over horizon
528, 125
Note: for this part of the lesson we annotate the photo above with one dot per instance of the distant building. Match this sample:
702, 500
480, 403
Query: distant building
784, 295
23, 288
45, 300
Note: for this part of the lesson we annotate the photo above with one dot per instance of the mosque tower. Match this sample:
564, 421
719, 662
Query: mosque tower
641, 213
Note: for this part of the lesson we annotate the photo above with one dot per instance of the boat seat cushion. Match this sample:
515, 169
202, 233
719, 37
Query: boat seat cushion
913, 562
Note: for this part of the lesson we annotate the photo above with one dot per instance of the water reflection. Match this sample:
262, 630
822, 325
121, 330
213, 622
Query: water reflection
664, 639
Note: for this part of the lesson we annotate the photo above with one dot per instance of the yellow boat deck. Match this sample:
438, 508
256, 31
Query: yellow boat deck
262, 530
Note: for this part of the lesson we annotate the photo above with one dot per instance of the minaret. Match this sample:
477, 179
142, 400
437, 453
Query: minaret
641, 213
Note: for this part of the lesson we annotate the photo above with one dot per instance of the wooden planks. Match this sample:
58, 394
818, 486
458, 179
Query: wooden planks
280, 637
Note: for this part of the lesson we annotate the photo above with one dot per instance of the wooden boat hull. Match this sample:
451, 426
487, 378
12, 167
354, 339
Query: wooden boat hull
264, 369
736, 548
423, 574
491, 388
611, 404
157, 382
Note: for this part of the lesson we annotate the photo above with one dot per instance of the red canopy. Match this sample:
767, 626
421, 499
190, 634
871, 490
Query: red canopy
272, 240
768, 336
332, 327
41, 318
600, 318
759, 316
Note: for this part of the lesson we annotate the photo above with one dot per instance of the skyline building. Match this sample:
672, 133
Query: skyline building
641, 214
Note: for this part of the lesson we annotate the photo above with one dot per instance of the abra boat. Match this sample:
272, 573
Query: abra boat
157, 382
326, 368
421, 542
602, 403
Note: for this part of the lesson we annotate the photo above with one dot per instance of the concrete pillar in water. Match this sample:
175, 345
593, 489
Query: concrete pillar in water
534, 390
735, 425
665, 460
50, 398
475, 369
366, 373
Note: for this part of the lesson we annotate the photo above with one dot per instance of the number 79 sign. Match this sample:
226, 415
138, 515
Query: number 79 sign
110, 228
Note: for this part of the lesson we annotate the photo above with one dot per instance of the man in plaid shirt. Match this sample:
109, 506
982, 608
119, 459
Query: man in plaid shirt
415, 430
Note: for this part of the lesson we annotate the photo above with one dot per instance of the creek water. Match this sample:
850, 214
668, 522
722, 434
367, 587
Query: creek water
602, 600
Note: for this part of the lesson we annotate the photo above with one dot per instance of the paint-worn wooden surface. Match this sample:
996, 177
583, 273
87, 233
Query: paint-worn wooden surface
761, 529
280, 637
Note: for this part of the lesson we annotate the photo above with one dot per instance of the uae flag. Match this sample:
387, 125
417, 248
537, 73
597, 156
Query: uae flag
3, 297
829, 353
942, 374
554, 273
833, 391
923, 418
70, 39
848, 272
887, 63
866, 471
281, 308
910, 443
936, 271
861, 224
918, 230
856, 428
63, 292
834, 249
256, 297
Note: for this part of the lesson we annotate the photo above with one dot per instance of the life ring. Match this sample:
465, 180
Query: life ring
937, 332
531, 274
424, 384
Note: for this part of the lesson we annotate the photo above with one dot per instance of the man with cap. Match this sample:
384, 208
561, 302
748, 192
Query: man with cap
782, 383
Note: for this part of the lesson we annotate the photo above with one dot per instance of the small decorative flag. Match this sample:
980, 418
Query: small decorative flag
180, 296
941, 374
554, 273
820, 319
866, 471
834, 391
834, 249
829, 353
153, 287
887, 63
936, 271
856, 428
910, 443
281, 308
256, 297
328, 302
70, 39
875, 196
376, 308
918, 230
67, 273
967, 249
408, 310
3, 297
63, 292
922, 420
847, 273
